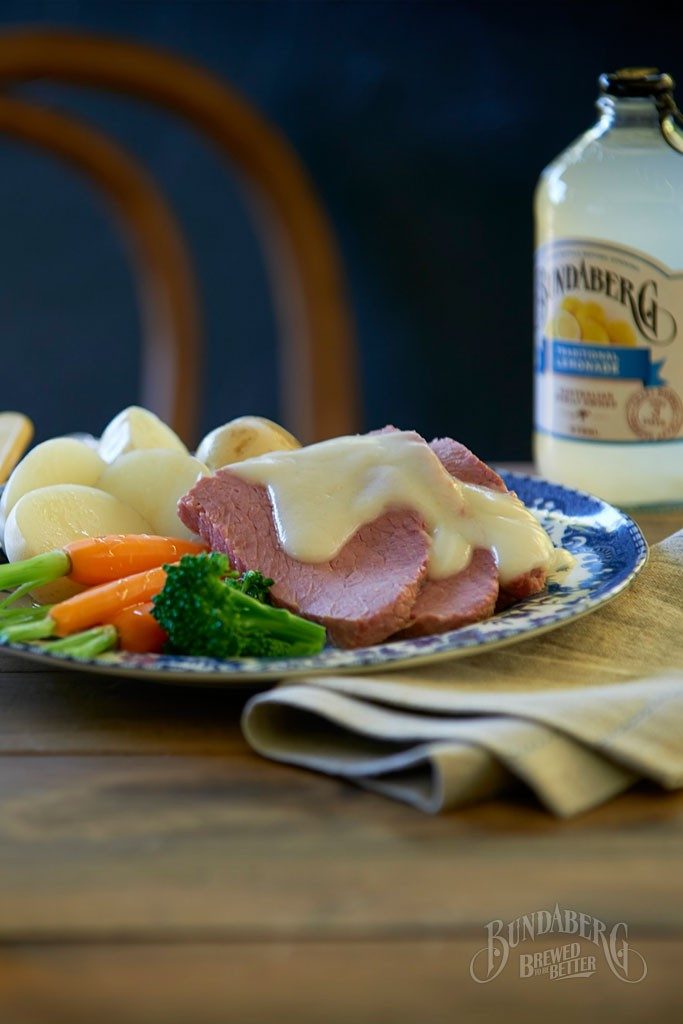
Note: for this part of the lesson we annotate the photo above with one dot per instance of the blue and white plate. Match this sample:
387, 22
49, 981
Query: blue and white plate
608, 548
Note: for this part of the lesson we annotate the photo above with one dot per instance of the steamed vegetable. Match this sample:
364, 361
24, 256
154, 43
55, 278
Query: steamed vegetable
9, 616
51, 517
151, 482
198, 606
102, 559
253, 584
89, 644
136, 428
133, 629
90, 608
96, 560
62, 460
138, 631
243, 438
206, 611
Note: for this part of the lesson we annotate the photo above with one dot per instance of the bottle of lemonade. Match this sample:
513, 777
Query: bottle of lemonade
609, 299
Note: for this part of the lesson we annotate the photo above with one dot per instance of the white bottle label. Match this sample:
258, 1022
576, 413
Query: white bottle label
608, 344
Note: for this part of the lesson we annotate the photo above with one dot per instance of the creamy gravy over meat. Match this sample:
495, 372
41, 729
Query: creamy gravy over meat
321, 495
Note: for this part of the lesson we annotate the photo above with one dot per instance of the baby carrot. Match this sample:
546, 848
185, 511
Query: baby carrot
132, 629
138, 630
90, 608
99, 604
97, 560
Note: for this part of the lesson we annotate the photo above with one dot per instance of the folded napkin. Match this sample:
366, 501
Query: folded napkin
577, 715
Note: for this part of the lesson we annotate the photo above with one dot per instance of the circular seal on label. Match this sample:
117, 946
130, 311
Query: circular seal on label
655, 414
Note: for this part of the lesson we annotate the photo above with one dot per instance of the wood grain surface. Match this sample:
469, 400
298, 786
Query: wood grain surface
152, 869
360, 982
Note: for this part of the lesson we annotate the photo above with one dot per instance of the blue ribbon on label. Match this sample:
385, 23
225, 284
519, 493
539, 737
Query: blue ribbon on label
586, 360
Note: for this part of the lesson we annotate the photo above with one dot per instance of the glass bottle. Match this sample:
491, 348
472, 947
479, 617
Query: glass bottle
609, 299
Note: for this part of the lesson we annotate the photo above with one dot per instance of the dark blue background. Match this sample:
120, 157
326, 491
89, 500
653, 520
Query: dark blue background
424, 127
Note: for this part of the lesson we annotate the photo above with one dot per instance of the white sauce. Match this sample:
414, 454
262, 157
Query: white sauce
321, 495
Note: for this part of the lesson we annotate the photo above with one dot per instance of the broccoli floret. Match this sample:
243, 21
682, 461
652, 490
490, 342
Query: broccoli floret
207, 612
253, 584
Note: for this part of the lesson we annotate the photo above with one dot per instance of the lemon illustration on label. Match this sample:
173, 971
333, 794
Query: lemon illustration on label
621, 333
575, 320
591, 329
594, 311
570, 303
563, 325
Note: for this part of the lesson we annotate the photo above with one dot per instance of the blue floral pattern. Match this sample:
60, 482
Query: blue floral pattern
608, 548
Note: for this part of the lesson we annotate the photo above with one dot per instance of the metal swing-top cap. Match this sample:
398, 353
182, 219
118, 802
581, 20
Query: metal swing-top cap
631, 83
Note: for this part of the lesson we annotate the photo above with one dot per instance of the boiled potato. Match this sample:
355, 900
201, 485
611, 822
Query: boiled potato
135, 429
244, 438
63, 460
89, 439
50, 517
151, 482
16, 431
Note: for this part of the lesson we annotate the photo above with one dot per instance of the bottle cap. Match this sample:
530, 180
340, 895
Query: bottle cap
632, 82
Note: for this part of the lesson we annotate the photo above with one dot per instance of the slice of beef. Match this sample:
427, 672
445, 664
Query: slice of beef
362, 596
464, 465
468, 596
526, 585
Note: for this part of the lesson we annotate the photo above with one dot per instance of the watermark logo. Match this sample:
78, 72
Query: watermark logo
560, 960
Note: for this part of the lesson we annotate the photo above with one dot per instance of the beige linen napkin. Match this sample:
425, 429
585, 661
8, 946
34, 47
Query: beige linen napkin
577, 715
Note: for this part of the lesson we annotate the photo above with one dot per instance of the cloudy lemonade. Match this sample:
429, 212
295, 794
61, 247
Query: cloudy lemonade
609, 301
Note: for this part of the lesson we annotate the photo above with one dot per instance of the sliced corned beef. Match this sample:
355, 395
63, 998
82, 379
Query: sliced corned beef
526, 585
377, 586
464, 465
468, 596
362, 596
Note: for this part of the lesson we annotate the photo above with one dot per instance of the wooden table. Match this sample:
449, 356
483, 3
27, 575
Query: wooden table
152, 869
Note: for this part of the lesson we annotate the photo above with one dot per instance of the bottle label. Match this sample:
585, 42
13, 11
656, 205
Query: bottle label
608, 354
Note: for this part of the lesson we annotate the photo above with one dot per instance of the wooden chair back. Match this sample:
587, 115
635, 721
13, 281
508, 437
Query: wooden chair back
318, 377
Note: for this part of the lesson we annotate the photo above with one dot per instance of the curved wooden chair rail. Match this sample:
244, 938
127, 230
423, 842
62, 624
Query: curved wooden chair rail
171, 334
317, 362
